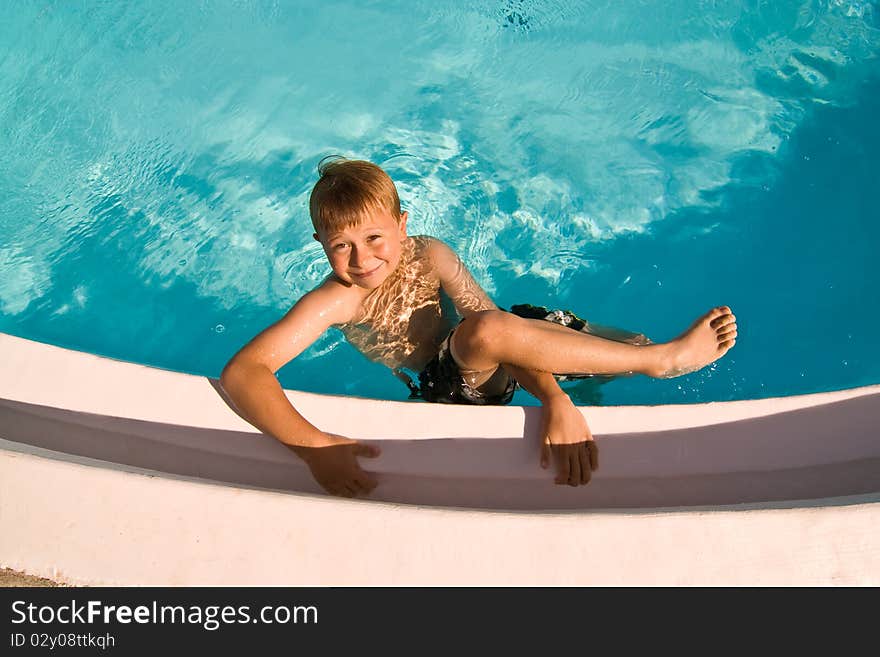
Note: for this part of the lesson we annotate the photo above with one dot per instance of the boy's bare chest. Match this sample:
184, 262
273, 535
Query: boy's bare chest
402, 325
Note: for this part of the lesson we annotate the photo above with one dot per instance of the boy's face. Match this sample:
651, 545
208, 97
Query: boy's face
365, 255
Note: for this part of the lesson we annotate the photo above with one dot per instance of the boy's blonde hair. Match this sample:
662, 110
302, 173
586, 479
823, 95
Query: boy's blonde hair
347, 190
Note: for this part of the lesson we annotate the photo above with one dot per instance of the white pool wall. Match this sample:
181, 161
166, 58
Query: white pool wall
114, 473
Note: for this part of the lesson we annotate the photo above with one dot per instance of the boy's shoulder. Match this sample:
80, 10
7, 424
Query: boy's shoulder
428, 246
427, 241
334, 299
422, 242
441, 256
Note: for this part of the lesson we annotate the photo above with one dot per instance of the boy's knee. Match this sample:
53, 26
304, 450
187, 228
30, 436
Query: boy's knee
481, 330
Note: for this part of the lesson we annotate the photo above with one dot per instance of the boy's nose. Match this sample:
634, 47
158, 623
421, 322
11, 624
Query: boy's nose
358, 257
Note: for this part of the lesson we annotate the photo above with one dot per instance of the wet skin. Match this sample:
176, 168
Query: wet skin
385, 295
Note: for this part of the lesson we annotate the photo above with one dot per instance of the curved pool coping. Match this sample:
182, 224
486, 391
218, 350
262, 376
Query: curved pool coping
101, 452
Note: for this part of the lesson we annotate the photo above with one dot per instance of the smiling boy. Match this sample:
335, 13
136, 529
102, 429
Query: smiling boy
387, 294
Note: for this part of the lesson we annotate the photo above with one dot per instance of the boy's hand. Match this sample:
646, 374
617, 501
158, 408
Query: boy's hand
335, 466
566, 435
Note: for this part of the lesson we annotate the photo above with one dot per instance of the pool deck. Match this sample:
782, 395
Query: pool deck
114, 473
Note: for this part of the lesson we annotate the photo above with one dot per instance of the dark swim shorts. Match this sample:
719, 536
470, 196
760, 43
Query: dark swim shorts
442, 382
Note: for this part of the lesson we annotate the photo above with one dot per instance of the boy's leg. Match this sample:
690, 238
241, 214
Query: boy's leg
607, 332
617, 334
490, 338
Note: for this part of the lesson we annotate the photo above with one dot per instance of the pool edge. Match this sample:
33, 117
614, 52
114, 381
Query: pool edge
105, 525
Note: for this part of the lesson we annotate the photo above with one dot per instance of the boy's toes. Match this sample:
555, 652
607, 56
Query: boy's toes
723, 320
727, 334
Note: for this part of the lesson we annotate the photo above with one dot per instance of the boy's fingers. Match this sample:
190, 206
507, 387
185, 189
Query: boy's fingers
356, 485
584, 457
339, 491
574, 476
366, 450
367, 482
545, 454
563, 468
594, 455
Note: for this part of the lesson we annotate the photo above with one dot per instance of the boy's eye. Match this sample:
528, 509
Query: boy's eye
373, 238
340, 246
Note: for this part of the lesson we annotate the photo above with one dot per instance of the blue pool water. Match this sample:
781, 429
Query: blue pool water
637, 162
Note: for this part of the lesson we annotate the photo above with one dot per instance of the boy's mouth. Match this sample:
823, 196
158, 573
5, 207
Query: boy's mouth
366, 274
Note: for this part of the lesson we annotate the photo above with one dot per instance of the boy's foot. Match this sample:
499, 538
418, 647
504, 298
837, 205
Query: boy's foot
706, 341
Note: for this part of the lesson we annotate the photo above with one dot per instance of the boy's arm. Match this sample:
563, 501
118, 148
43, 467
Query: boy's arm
249, 380
464, 292
564, 431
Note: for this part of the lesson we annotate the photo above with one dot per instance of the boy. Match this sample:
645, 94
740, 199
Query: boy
385, 295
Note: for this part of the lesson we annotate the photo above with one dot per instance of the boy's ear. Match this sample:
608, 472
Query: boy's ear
315, 235
402, 225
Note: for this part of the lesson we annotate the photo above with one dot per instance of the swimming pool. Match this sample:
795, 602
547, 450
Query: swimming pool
158, 160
